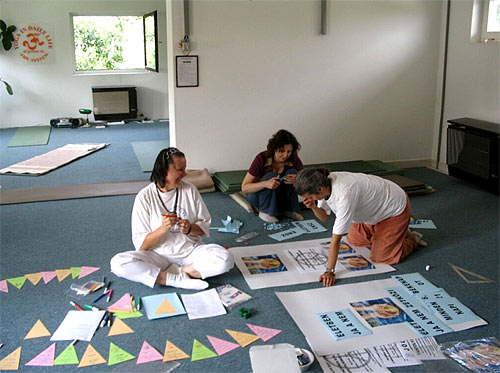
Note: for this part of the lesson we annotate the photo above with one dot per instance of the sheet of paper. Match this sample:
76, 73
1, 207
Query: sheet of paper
309, 226
285, 235
155, 304
421, 348
79, 325
203, 304
423, 224
299, 262
342, 324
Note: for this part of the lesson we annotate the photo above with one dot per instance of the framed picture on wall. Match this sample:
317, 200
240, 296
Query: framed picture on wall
187, 71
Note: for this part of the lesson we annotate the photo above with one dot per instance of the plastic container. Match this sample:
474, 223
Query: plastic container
305, 358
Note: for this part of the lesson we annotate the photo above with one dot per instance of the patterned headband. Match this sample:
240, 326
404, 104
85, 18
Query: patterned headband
171, 152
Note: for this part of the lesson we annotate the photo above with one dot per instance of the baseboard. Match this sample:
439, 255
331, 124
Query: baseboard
429, 163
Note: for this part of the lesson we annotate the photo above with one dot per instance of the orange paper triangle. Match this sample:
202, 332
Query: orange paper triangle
11, 361
34, 278
38, 330
62, 274
91, 357
166, 307
244, 339
119, 327
172, 352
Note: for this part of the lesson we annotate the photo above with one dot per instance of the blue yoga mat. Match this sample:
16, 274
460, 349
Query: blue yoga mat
147, 151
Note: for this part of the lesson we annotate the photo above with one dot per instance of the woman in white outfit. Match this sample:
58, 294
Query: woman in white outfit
169, 218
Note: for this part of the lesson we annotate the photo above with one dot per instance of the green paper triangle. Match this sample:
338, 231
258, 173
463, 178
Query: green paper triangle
75, 272
117, 355
67, 357
18, 282
201, 352
128, 315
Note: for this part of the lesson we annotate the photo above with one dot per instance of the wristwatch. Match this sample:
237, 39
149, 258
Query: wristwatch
329, 269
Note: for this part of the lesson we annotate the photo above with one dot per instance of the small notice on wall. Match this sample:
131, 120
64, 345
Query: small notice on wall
34, 44
187, 71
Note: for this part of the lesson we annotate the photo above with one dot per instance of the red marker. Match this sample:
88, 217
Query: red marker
110, 293
76, 305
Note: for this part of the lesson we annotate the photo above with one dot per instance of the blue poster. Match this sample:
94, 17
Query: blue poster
285, 235
309, 226
415, 283
342, 324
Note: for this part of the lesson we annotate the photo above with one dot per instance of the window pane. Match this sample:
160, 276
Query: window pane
150, 36
108, 42
493, 16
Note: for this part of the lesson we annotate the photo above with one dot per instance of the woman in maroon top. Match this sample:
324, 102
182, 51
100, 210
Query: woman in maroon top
269, 180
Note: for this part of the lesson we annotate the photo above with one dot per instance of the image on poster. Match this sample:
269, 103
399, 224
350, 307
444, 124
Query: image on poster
355, 263
264, 264
344, 247
378, 312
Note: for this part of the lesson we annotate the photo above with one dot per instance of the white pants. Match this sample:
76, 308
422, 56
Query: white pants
144, 266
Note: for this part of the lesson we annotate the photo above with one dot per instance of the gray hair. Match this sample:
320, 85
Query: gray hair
309, 180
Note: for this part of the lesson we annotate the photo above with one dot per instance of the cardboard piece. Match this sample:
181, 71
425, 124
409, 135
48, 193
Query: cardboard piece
38, 330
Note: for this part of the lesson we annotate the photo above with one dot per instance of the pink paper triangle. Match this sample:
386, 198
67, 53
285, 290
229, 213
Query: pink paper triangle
221, 346
264, 333
87, 271
3, 286
124, 303
148, 353
44, 358
48, 276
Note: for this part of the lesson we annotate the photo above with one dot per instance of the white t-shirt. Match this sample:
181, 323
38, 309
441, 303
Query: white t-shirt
147, 213
361, 198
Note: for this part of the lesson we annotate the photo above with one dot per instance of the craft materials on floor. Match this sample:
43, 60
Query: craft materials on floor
53, 159
300, 262
147, 151
29, 136
398, 308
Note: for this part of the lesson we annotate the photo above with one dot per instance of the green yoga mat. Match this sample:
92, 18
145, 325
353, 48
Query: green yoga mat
28, 136
147, 151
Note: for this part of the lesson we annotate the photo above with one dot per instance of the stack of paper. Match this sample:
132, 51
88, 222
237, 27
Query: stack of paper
124, 304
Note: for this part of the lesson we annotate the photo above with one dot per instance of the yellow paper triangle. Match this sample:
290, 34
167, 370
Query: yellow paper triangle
38, 330
11, 361
244, 339
172, 352
119, 327
166, 307
34, 278
62, 274
461, 271
91, 357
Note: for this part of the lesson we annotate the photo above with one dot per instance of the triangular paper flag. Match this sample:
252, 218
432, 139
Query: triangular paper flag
244, 339
128, 315
221, 346
75, 272
3, 286
166, 307
124, 304
172, 352
67, 357
148, 353
85, 271
48, 276
34, 278
38, 330
44, 358
461, 271
200, 351
11, 361
117, 355
91, 357
18, 282
62, 274
264, 333
119, 327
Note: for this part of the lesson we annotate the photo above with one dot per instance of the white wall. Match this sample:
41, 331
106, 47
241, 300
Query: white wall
473, 74
51, 90
366, 90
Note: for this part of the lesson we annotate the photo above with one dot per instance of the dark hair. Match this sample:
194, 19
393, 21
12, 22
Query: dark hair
164, 159
279, 140
309, 180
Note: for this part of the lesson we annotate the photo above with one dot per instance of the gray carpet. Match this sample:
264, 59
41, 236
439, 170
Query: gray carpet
45, 236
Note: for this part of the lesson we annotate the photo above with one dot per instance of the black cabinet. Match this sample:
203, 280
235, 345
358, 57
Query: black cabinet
472, 151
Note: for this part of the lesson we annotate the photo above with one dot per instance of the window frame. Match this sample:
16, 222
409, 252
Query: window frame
153, 14
486, 35
479, 23
115, 71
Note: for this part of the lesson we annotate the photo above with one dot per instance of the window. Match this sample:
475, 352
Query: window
485, 25
115, 43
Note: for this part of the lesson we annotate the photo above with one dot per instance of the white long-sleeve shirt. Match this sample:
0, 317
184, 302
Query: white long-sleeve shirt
147, 217
361, 198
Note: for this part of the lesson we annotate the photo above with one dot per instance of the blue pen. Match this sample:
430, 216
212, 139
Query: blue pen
106, 317
99, 297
